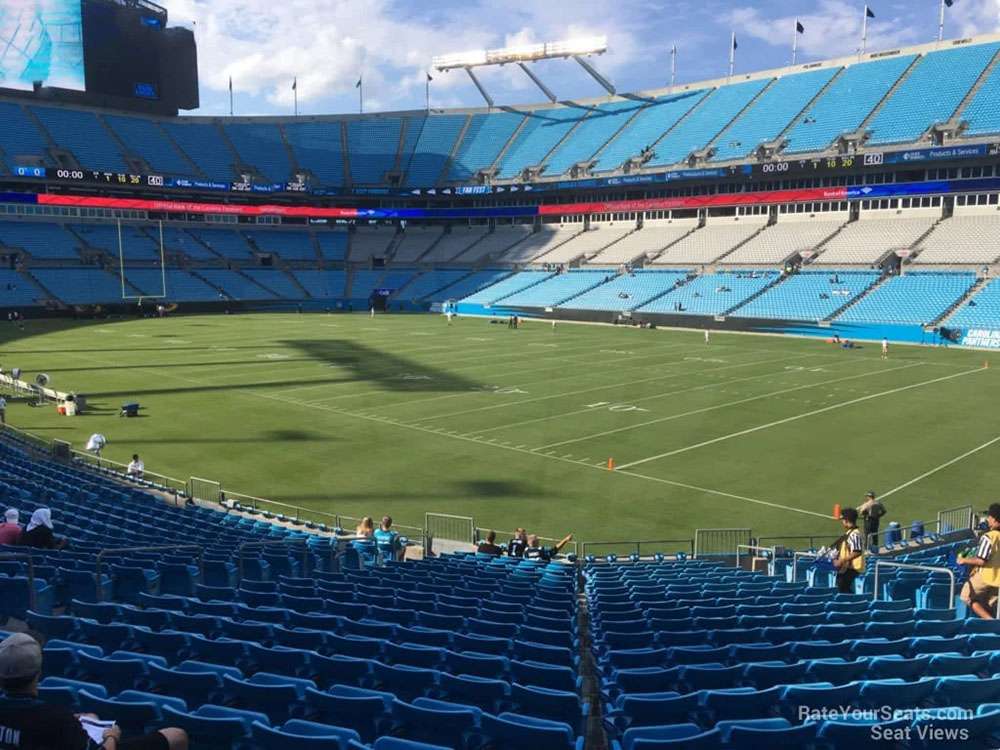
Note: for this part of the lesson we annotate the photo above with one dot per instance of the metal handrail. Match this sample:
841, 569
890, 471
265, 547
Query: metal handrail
756, 548
911, 566
161, 482
810, 537
156, 548
32, 594
586, 546
796, 556
276, 543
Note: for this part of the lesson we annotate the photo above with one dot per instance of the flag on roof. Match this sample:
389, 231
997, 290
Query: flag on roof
799, 27
869, 12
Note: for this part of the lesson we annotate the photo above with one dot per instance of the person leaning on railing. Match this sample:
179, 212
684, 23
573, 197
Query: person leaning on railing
536, 551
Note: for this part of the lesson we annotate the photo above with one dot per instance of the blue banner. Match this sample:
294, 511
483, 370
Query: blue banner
948, 153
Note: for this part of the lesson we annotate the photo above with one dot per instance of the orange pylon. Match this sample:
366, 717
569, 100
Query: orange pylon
611, 464
836, 511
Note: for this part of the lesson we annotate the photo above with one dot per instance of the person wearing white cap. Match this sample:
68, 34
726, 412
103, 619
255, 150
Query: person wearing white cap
28, 723
96, 444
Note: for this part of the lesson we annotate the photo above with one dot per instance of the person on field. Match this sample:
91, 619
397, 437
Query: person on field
850, 552
885, 348
981, 590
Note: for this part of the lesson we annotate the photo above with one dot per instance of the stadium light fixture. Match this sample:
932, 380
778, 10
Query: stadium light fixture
524, 53
596, 45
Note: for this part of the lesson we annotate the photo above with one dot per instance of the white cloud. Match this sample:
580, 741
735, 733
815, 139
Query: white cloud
833, 29
975, 17
264, 44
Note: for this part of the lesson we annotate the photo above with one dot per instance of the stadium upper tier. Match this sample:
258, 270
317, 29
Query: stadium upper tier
895, 97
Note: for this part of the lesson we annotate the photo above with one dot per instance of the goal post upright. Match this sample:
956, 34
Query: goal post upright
121, 267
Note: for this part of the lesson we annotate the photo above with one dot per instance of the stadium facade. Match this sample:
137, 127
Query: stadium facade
855, 197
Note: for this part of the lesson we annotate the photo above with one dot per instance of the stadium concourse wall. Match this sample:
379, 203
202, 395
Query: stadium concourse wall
902, 334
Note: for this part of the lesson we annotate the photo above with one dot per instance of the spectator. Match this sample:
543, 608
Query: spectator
981, 590
850, 552
366, 527
536, 551
10, 529
3, 410
871, 511
39, 532
28, 722
136, 468
387, 540
489, 547
517, 545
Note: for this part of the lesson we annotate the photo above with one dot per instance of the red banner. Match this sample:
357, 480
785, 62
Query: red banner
198, 208
648, 204
705, 201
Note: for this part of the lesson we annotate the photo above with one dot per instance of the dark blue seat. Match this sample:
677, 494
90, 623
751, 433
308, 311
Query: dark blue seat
896, 693
214, 726
767, 674
766, 734
274, 695
557, 705
544, 675
487, 694
307, 735
364, 711
741, 703
510, 731
448, 725
686, 736
862, 734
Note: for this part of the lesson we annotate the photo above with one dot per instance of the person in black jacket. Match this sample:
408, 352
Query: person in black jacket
517, 545
871, 512
29, 723
39, 532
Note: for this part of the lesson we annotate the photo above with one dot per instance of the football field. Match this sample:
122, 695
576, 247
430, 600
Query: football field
405, 414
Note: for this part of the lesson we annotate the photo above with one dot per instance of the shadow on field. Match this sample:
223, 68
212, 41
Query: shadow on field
388, 371
268, 436
495, 488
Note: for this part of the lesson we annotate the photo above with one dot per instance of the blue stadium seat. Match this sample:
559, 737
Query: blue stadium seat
308, 735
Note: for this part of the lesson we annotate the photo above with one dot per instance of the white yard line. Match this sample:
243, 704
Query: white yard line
658, 395
797, 417
625, 384
945, 465
720, 493
726, 405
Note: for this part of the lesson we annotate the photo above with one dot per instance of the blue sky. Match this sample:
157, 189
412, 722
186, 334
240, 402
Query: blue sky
327, 44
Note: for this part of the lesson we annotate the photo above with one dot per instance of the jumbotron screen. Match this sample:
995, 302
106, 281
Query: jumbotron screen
41, 41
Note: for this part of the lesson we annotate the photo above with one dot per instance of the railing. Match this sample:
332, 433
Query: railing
636, 547
283, 511
149, 479
954, 519
444, 526
755, 550
720, 542
905, 533
910, 566
796, 556
810, 539
32, 594
99, 562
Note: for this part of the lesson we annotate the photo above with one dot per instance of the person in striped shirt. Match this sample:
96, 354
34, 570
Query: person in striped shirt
981, 590
850, 552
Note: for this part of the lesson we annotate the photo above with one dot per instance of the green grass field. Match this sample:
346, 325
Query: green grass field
403, 414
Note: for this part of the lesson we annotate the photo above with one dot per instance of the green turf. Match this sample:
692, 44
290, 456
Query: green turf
403, 414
